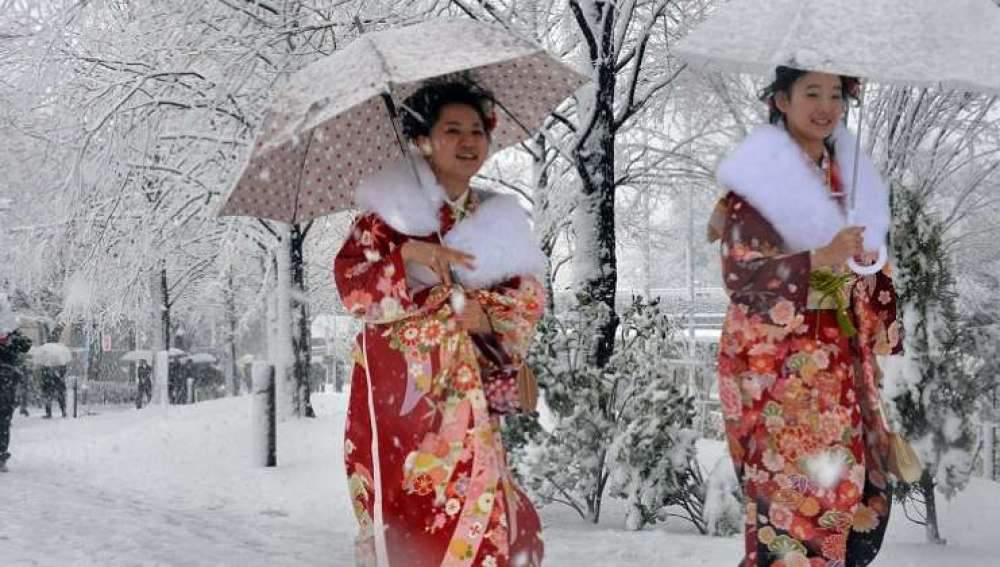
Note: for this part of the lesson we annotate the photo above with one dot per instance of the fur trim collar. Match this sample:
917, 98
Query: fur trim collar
497, 232
409, 207
769, 170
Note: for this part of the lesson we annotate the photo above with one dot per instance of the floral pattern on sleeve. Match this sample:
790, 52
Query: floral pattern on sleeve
874, 303
757, 273
514, 309
370, 273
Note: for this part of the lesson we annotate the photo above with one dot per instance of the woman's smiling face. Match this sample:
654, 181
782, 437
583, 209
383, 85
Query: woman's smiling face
813, 106
459, 141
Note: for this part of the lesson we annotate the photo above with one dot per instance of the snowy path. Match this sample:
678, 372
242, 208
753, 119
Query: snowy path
175, 488
84, 524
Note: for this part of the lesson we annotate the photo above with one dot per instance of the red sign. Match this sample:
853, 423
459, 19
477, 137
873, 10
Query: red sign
105, 343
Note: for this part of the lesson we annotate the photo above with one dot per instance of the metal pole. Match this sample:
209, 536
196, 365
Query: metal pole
264, 415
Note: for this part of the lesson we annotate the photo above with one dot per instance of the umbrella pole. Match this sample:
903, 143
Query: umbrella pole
853, 199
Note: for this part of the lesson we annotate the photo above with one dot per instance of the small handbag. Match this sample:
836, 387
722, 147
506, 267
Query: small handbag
903, 463
509, 386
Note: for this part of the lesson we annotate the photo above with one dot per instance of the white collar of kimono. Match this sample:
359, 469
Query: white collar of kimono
497, 233
771, 172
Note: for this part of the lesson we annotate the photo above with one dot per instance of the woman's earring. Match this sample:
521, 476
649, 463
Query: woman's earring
425, 149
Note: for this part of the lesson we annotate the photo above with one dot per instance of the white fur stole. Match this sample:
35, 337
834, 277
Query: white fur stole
771, 172
497, 233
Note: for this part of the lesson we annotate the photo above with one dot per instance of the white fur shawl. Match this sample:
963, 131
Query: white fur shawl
770, 171
497, 233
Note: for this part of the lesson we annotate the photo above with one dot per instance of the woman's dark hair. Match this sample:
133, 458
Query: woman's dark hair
421, 110
785, 77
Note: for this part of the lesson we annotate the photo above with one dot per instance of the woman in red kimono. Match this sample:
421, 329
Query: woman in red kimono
798, 378
428, 266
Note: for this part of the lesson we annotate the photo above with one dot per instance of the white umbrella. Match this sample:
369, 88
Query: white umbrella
51, 354
137, 355
203, 358
332, 123
953, 44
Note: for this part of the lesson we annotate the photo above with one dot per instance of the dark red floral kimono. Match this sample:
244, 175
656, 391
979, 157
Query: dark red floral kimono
800, 401
447, 496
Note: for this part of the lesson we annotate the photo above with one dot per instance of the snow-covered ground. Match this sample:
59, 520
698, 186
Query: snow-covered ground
176, 487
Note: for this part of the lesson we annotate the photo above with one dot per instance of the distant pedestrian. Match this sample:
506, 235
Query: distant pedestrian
54, 389
13, 345
144, 384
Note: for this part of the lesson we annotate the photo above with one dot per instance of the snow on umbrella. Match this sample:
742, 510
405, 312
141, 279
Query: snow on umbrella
954, 44
924, 43
202, 358
332, 124
137, 355
51, 354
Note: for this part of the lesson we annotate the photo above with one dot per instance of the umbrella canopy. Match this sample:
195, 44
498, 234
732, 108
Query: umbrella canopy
51, 354
330, 125
137, 355
953, 44
202, 358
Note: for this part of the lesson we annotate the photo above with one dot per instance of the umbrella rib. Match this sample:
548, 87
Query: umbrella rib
298, 184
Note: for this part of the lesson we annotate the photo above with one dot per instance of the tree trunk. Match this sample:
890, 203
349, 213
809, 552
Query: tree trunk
301, 332
230, 310
543, 215
931, 527
595, 265
165, 308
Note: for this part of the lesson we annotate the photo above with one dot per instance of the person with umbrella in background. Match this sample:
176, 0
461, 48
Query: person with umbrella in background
801, 330
144, 383
53, 388
13, 346
448, 493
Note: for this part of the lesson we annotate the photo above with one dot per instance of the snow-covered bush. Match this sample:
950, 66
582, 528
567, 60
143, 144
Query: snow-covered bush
933, 391
623, 427
724, 510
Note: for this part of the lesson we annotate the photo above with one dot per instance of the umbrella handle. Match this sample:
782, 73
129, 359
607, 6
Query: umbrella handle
883, 257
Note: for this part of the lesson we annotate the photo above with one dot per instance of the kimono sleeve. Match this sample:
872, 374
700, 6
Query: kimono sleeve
514, 309
755, 270
874, 303
370, 273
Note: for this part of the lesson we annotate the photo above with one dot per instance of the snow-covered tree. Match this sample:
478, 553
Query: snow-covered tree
624, 426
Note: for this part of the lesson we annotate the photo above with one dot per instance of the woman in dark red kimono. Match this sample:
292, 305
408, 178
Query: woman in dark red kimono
425, 462
798, 381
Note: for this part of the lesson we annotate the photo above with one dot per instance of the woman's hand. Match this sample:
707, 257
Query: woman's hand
474, 318
436, 257
848, 243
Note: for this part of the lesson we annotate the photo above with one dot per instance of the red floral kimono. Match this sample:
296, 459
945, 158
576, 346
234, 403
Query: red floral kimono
438, 466
799, 397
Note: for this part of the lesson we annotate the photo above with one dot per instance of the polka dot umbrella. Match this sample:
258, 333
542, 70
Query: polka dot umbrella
331, 124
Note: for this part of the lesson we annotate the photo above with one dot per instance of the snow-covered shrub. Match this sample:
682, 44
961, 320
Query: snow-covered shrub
655, 465
724, 511
621, 427
932, 389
